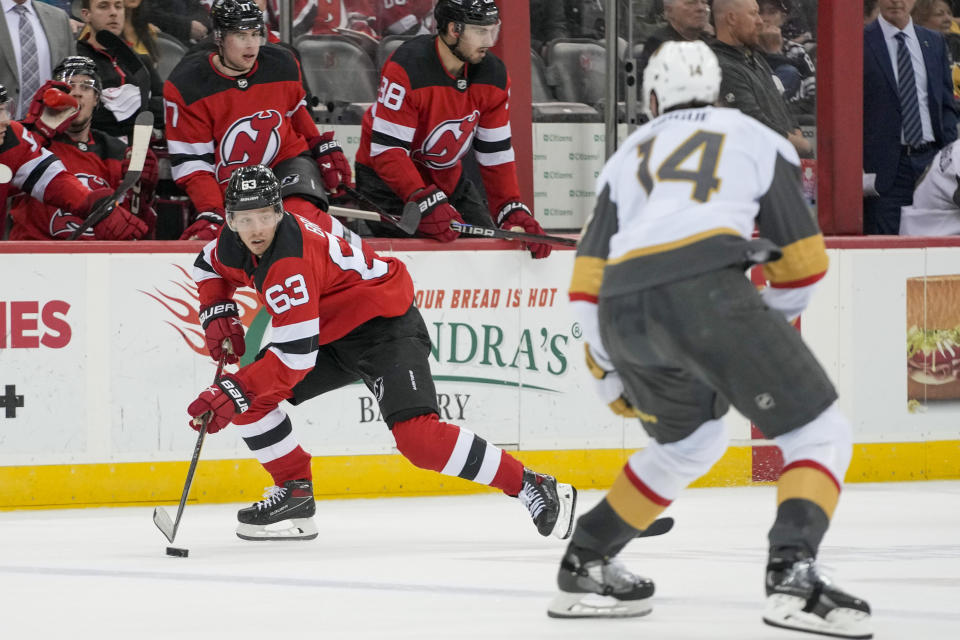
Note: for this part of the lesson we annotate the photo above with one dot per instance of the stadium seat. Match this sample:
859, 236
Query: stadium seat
576, 69
170, 51
546, 108
337, 69
387, 46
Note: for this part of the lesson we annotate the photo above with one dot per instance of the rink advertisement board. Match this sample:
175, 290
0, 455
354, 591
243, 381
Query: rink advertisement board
100, 353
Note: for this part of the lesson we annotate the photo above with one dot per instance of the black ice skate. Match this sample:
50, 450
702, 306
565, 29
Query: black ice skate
593, 586
285, 513
551, 504
799, 598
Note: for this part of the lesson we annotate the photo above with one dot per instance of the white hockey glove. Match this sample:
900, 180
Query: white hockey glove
608, 384
790, 302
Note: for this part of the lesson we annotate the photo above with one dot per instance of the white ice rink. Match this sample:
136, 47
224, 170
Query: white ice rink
461, 567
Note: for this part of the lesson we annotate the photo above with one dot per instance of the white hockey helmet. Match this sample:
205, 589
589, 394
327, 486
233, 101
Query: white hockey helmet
681, 73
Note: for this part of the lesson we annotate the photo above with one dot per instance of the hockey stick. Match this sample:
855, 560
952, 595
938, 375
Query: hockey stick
489, 232
160, 516
142, 131
407, 222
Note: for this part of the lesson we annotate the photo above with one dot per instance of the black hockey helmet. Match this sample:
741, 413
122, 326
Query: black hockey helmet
236, 15
4, 96
253, 187
478, 12
78, 66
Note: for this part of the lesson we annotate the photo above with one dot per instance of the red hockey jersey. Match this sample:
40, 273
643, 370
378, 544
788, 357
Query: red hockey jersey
396, 17
97, 163
425, 120
316, 286
36, 172
218, 123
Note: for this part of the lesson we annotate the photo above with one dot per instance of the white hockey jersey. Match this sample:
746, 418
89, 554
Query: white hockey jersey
683, 196
936, 200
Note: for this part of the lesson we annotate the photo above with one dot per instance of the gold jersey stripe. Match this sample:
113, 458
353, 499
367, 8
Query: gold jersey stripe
587, 275
801, 260
808, 483
675, 244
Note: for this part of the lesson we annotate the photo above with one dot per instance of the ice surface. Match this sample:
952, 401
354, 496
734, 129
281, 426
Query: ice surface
461, 567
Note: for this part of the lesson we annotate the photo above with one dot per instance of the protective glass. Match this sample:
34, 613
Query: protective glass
252, 220
85, 84
4, 111
482, 35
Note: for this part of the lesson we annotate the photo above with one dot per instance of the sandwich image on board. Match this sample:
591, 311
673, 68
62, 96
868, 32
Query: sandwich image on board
933, 338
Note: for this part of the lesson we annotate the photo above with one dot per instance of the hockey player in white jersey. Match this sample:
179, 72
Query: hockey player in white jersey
676, 334
936, 200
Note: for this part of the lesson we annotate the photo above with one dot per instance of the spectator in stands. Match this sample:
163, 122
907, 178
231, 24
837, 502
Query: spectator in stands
938, 16
908, 111
789, 60
27, 24
140, 34
686, 20
547, 22
186, 20
130, 83
747, 82
870, 11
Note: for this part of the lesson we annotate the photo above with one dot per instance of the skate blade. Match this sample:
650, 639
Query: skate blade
293, 529
568, 509
592, 605
786, 612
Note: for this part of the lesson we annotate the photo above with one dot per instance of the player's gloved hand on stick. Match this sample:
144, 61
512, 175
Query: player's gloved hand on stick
334, 166
608, 384
119, 225
516, 214
221, 322
224, 399
436, 214
51, 110
206, 227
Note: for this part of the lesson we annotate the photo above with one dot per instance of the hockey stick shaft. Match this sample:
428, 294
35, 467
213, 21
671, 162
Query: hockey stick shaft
407, 222
160, 517
503, 234
142, 131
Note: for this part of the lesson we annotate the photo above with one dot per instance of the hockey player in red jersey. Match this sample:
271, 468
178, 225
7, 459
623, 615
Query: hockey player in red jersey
60, 120
440, 96
408, 17
339, 313
244, 105
27, 166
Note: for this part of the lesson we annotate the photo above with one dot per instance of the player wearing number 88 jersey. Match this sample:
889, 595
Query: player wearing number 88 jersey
339, 313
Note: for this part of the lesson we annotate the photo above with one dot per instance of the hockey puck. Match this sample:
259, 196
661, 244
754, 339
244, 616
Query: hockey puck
177, 553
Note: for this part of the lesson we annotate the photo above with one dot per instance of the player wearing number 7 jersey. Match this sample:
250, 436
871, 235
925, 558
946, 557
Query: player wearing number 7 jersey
676, 334
339, 314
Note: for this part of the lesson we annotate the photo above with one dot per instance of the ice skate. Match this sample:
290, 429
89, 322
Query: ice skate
285, 513
551, 504
592, 586
799, 598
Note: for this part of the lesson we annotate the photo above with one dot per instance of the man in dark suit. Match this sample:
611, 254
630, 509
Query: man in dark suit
908, 112
45, 35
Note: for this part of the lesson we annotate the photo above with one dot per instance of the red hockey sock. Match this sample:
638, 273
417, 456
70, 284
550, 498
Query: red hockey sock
292, 466
455, 451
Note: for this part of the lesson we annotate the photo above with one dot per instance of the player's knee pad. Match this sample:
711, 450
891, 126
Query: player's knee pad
667, 468
425, 441
827, 440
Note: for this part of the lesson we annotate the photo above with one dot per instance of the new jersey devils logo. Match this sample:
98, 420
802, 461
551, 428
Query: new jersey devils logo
248, 141
447, 143
63, 223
